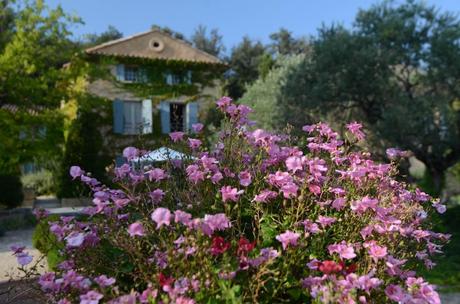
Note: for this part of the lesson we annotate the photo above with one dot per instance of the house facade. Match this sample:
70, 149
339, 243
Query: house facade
154, 73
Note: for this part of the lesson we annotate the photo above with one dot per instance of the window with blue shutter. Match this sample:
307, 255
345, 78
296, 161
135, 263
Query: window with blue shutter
165, 117
191, 115
118, 121
120, 71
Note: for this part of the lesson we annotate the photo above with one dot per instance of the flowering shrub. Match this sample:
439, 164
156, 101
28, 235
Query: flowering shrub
259, 218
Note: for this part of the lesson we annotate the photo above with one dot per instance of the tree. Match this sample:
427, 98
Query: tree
244, 64
211, 43
7, 16
169, 31
284, 44
32, 84
397, 71
264, 97
111, 33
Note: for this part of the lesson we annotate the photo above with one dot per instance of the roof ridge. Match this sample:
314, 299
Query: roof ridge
123, 39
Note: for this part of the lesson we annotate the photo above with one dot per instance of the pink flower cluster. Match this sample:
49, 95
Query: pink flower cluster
322, 220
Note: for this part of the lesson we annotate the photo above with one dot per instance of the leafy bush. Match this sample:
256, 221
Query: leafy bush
10, 191
17, 221
46, 242
42, 182
260, 218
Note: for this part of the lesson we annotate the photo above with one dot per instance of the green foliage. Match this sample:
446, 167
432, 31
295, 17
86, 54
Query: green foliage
42, 182
244, 62
10, 190
265, 98
211, 44
31, 83
283, 43
111, 33
396, 71
85, 145
46, 242
16, 222
447, 271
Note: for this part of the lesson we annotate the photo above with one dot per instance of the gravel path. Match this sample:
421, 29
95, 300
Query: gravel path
8, 264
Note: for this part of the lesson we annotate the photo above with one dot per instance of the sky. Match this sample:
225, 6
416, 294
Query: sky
234, 18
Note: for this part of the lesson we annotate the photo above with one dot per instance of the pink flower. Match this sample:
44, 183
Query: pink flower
24, 258
182, 217
91, 297
311, 227
294, 164
194, 143
288, 238
375, 251
217, 221
289, 190
130, 153
136, 229
325, 220
217, 177
395, 293
76, 171
224, 102
197, 128
176, 136
157, 195
75, 239
230, 194
194, 174
344, 250
245, 178
265, 195
161, 216
440, 208
393, 153
104, 281
156, 174
355, 129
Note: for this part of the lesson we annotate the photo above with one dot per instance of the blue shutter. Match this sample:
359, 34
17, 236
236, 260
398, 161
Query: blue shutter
147, 116
192, 115
118, 117
120, 72
165, 117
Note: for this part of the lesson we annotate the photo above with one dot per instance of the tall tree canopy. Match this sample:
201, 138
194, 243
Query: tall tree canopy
111, 33
244, 61
211, 43
396, 70
32, 83
283, 43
